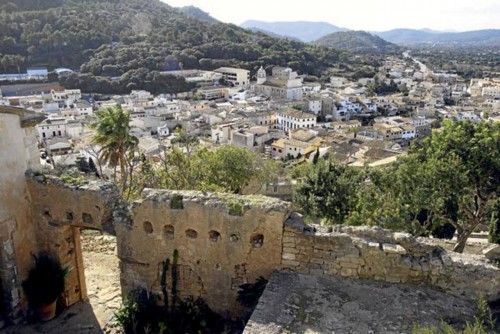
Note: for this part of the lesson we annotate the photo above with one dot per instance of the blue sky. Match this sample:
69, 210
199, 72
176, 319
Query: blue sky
374, 15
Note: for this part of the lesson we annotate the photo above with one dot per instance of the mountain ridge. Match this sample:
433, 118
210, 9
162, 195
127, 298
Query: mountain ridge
412, 36
305, 31
197, 13
309, 31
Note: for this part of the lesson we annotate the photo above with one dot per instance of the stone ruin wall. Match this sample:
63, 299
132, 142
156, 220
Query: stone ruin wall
59, 212
17, 235
219, 247
378, 254
224, 241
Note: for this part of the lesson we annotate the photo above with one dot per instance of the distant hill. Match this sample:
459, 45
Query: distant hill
301, 30
356, 41
306, 31
197, 13
271, 34
488, 37
136, 41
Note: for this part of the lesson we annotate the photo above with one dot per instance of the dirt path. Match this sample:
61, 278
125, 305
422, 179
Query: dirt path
102, 274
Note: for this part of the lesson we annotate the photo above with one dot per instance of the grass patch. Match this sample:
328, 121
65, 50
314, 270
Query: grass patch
235, 208
74, 180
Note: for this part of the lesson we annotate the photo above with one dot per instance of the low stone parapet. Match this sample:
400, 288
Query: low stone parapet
375, 253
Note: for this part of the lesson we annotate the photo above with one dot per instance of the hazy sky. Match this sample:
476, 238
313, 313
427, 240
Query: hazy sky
457, 15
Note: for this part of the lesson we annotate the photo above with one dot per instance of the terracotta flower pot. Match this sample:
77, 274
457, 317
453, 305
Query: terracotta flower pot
47, 312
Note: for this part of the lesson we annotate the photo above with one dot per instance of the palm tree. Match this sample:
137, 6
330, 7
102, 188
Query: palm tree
112, 134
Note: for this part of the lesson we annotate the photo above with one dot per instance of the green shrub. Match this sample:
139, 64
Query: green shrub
74, 180
483, 323
484, 315
235, 208
126, 314
444, 328
176, 202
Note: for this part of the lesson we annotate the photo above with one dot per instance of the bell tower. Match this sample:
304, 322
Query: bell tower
261, 76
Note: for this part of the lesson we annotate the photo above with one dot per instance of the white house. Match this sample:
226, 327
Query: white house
293, 119
59, 127
236, 76
337, 82
67, 96
163, 131
293, 148
345, 108
58, 146
395, 132
314, 105
242, 138
79, 108
213, 93
83, 108
352, 124
491, 91
267, 119
74, 129
470, 116
221, 134
167, 108
52, 127
311, 88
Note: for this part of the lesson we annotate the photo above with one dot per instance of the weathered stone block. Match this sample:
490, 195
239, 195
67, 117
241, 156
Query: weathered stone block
290, 250
317, 272
492, 252
290, 263
317, 261
393, 249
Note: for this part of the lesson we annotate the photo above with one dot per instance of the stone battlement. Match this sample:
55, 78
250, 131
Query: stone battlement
222, 240
378, 254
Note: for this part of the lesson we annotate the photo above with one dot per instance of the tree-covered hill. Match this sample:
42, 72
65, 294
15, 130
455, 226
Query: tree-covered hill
129, 38
356, 41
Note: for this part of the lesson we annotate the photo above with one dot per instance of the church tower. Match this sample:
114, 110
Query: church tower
261, 76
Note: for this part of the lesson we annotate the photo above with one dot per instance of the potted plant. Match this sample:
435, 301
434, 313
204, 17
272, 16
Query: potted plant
44, 285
